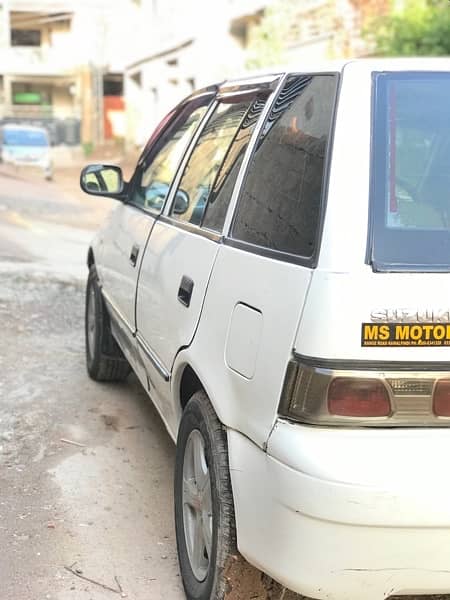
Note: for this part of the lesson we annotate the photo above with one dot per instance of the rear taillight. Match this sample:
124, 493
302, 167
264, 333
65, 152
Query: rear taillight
351, 397
441, 398
358, 398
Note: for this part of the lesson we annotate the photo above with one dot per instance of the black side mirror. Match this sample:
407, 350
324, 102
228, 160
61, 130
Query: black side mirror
102, 180
181, 203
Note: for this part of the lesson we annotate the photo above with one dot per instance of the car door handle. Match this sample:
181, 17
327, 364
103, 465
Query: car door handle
134, 254
185, 290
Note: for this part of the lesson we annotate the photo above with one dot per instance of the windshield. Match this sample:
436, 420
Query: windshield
24, 137
410, 203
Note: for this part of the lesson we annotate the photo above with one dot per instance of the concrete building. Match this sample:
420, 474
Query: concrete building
58, 61
180, 46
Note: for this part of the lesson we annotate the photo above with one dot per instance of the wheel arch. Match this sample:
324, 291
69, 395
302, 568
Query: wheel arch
189, 375
189, 384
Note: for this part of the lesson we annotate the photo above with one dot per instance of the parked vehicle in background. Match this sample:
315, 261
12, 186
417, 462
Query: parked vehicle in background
26, 146
277, 274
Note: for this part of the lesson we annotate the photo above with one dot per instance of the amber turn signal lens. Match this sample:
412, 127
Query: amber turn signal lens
441, 398
351, 397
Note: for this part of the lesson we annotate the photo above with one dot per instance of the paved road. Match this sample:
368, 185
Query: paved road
106, 504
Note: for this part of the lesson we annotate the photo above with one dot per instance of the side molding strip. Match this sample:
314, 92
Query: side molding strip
153, 358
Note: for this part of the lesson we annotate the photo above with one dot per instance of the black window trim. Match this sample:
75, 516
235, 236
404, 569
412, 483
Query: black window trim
312, 261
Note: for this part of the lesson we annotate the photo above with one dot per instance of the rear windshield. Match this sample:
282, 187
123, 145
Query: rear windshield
410, 191
24, 137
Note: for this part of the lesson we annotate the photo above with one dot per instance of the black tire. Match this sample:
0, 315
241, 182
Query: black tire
199, 416
104, 359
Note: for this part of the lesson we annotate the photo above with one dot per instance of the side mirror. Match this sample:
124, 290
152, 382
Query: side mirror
102, 180
181, 203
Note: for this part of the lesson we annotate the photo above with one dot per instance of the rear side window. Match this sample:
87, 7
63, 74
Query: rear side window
222, 190
410, 192
25, 137
279, 206
204, 164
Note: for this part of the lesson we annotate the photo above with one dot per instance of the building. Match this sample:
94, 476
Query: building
180, 46
61, 66
183, 46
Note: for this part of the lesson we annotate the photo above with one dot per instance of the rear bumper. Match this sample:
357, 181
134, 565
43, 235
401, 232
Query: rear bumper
339, 539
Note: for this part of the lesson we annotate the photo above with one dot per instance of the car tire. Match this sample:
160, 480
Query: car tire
104, 359
205, 526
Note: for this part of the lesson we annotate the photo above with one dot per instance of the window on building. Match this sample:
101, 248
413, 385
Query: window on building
113, 85
25, 37
279, 205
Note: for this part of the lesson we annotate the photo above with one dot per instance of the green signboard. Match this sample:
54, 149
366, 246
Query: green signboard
27, 98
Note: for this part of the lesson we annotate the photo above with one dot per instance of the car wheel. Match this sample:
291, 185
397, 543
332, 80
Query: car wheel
204, 509
104, 359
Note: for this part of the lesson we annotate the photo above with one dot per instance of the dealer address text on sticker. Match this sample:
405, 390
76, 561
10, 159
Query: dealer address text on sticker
405, 334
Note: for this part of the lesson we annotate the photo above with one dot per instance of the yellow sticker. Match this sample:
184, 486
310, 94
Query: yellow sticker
405, 334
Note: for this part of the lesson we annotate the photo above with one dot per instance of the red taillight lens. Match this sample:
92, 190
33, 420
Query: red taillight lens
441, 398
349, 397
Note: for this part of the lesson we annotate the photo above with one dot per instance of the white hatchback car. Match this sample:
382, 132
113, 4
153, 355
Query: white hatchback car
277, 275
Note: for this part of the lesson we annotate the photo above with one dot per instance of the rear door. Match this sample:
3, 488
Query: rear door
263, 270
126, 234
181, 250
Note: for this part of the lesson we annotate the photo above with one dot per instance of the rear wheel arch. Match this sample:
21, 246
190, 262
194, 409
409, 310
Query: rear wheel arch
188, 378
190, 383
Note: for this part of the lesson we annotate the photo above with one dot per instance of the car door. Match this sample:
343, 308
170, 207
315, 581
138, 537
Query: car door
131, 223
262, 272
181, 252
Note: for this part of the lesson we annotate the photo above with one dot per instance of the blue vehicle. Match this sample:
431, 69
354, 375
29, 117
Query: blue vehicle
26, 146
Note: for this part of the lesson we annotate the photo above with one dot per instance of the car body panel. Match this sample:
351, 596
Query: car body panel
164, 322
265, 285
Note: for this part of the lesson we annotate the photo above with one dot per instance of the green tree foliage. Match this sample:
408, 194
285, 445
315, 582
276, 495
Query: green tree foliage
268, 39
422, 28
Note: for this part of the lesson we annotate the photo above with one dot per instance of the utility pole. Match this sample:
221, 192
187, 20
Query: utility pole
5, 43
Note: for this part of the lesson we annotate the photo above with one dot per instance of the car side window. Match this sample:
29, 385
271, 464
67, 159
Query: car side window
221, 193
206, 160
152, 183
280, 200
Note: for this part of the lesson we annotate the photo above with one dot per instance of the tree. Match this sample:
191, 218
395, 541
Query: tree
421, 29
267, 41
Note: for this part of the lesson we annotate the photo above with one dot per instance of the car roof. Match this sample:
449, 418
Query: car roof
23, 127
338, 66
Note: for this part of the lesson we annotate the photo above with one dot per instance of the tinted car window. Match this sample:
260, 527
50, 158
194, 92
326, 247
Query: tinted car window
280, 201
206, 160
222, 190
152, 182
410, 197
25, 137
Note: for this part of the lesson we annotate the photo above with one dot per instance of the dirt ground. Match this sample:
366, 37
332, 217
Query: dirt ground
85, 469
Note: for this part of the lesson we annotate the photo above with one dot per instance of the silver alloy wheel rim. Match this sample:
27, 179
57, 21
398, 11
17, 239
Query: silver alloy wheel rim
197, 505
91, 321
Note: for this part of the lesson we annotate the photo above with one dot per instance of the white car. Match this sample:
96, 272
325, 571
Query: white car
277, 274
26, 146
